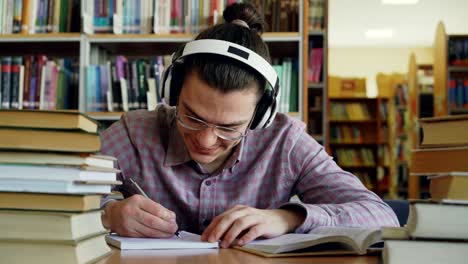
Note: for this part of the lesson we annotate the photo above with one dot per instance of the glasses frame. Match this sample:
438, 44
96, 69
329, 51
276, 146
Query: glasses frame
208, 125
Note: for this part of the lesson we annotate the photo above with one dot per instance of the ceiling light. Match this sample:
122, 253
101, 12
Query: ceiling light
400, 2
379, 33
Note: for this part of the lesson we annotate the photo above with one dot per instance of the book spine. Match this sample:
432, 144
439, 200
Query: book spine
116, 91
56, 16
50, 15
104, 87
110, 92
134, 84
137, 18
142, 84
15, 81
6, 81
41, 60
17, 16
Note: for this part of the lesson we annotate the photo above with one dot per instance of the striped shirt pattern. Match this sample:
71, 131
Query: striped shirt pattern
266, 169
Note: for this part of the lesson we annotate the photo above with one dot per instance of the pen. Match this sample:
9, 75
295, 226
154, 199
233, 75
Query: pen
177, 233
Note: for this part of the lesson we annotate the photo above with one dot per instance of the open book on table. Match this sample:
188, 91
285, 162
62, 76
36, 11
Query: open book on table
320, 241
185, 241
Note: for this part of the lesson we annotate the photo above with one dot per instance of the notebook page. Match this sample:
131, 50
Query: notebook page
186, 241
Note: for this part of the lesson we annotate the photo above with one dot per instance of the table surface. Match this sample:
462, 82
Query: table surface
225, 256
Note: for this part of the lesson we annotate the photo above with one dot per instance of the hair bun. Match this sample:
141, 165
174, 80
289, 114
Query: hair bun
247, 13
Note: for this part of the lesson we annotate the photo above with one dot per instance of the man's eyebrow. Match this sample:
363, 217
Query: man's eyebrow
233, 124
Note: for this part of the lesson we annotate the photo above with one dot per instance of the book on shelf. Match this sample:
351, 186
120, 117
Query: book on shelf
186, 240
122, 84
32, 17
316, 14
427, 161
458, 93
353, 111
444, 131
49, 202
39, 82
457, 55
449, 187
89, 250
57, 172
64, 120
49, 158
63, 226
166, 16
320, 241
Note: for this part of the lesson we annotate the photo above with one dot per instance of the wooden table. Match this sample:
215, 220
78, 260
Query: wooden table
222, 256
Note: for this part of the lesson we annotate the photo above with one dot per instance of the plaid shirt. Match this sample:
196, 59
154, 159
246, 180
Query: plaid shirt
266, 169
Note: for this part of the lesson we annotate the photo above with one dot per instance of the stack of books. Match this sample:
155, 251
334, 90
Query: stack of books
51, 183
437, 229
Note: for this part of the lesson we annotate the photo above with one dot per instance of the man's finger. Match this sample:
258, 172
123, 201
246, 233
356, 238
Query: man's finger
153, 222
145, 231
158, 210
222, 226
240, 225
217, 219
254, 233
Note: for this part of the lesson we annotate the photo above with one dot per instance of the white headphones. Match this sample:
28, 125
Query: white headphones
267, 106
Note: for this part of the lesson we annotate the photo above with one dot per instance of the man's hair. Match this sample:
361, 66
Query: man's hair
225, 74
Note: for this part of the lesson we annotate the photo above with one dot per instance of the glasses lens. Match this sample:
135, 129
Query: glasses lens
191, 122
228, 133
196, 124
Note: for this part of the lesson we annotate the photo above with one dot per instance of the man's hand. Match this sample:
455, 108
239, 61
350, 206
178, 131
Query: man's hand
252, 222
138, 216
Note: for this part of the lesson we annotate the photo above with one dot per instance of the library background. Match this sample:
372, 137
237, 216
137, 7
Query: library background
360, 93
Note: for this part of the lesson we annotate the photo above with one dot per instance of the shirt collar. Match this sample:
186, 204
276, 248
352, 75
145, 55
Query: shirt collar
176, 153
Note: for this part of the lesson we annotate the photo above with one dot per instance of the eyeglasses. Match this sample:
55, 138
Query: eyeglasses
196, 124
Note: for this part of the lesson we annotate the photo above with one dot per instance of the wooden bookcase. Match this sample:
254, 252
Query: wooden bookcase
359, 139
314, 95
450, 73
96, 48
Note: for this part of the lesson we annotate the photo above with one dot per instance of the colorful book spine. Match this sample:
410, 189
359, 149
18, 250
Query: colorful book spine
15, 81
6, 82
17, 16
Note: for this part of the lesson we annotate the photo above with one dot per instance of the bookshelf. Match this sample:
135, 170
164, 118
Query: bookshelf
91, 49
450, 73
359, 139
315, 70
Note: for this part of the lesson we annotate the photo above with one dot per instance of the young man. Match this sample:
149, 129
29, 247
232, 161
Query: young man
214, 164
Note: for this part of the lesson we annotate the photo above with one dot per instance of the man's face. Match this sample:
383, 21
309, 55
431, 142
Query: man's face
233, 110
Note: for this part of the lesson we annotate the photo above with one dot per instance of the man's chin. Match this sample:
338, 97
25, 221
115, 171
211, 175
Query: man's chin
202, 158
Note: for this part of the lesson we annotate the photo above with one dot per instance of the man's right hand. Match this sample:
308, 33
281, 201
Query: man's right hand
138, 216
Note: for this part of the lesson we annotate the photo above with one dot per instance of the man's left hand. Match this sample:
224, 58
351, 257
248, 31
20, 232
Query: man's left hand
252, 223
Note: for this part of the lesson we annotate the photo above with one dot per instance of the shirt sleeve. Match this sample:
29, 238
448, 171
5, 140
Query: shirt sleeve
330, 196
116, 142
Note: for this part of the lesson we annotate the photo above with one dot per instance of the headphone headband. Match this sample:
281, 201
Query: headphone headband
235, 51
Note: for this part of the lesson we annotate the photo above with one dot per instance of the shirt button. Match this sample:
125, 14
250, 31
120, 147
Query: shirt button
208, 183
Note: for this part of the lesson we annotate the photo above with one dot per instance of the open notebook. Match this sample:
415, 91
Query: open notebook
185, 241
320, 241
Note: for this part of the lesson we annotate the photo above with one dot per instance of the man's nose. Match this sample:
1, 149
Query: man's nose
207, 137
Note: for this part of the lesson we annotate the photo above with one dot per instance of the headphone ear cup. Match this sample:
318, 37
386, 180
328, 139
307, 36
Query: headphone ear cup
263, 111
171, 83
164, 89
176, 83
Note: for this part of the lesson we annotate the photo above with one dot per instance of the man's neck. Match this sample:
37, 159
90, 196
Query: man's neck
218, 163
